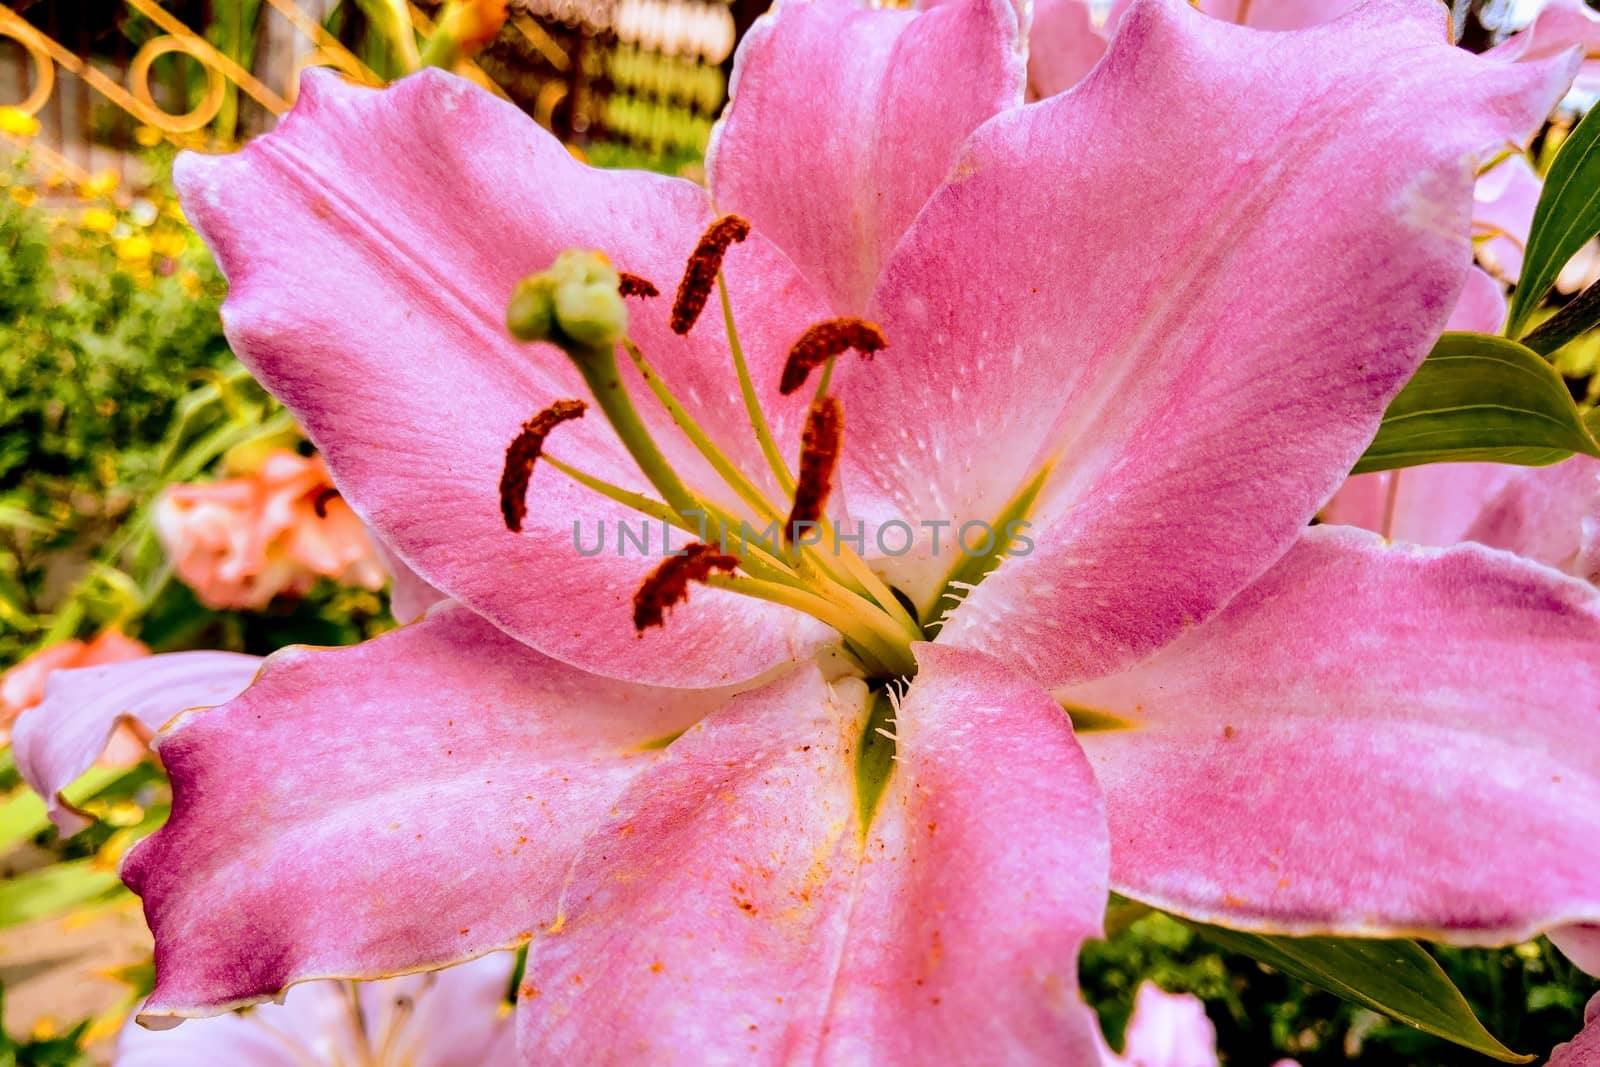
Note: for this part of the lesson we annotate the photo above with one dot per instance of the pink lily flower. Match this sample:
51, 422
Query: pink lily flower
1559, 25
274, 530
1549, 514
1583, 1050
1506, 196
23, 685
451, 1018
785, 825
86, 711
1166, 1030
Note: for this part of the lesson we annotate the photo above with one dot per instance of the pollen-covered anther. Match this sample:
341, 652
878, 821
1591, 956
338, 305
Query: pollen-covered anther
701, 273
523, 452
668, 584
633, 285
826, 340
325, 496
819, 455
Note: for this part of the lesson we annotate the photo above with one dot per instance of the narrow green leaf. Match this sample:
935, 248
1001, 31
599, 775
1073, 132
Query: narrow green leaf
1567, 216
1568, 324
1397, 978
21, 817
54, 889
1480, 399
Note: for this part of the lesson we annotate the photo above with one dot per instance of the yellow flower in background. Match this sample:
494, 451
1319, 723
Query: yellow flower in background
23, 195
135, 249
98, 220
100, 185
190, 281
17, 123
147, 136
171, 244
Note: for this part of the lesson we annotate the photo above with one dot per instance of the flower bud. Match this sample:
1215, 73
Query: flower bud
574, 303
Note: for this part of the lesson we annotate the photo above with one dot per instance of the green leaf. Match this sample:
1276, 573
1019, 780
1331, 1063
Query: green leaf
1567, 216
1568, 324
1478, 398
22, 816
54, 889
1397, 978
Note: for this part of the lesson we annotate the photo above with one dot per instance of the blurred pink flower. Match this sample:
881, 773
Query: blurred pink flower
453, 1018
1166, 1030
240, 542
23, 685
1169, 1030
1548, 514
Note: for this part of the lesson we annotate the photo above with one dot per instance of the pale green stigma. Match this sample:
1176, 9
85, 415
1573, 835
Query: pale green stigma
575, 303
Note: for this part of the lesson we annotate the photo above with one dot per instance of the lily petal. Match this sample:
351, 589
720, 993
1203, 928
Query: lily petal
371, 242
59, 739
1581, 944
1481, 307
1063, 46
1430, 505
837, 181
451, 1018
409, 596
735, 876
1559, 25
1276, 14
1216, 366
1548, 514
1583, 1050
1506, 196
975, 898
1342, 748
469, 770
1167, 1030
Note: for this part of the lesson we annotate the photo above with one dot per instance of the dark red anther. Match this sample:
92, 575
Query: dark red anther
701, 274
633, 285
523, 453
319, 503
668, 584
819, 456
826, 340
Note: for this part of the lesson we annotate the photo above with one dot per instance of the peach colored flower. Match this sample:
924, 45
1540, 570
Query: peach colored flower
239, 542
22, 686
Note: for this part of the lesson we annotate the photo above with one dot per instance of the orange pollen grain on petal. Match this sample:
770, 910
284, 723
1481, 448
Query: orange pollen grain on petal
633, 285
819, 456
701, 273
668, 584
523, 452
825, 340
